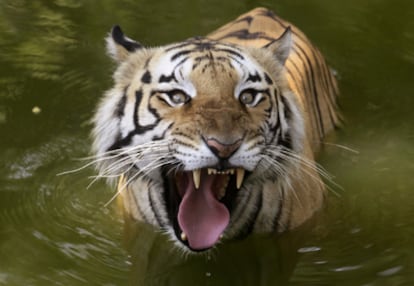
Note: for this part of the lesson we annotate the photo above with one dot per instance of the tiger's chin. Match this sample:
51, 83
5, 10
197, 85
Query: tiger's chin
200, 202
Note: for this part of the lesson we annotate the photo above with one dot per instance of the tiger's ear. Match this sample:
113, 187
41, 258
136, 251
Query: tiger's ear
281, 46
119, 46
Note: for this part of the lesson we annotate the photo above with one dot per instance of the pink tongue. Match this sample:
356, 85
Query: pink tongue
201, 216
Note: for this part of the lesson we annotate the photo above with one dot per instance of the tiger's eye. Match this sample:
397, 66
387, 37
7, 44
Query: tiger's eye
247, 98
178, 98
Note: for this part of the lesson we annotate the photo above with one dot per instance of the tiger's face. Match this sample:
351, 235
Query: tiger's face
196, 128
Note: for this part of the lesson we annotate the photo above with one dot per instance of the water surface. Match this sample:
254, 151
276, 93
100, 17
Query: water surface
55, 230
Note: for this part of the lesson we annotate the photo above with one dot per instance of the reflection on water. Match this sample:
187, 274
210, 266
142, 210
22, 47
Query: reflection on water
49, 35
238, 263
56, 231
53, 229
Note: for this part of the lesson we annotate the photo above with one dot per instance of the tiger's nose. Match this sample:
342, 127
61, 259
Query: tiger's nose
223, 150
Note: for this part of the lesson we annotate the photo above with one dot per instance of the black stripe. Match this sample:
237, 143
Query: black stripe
237, 61
160, 98
147, 62
244, 34
204, 45
284, 139
139, 129
279, 211
268, 79
273, 130
167, 78
119, 110
184, 135
138, 99
268, 13
273, 16
179, 142
324, 75
254, 78
247, 19
303, 38
249, 227
157, 138
146, 77
253, 218
180, 54
230, 51
181, 63
180, 45
329, 88
286, 108
311, 79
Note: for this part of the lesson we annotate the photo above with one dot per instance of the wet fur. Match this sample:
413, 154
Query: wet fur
286, 187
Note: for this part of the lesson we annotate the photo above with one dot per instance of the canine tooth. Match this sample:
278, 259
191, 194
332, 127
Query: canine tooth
183, 236
240, 177
196, 178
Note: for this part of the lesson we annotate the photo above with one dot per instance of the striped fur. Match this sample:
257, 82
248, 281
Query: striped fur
254, 95
308, 74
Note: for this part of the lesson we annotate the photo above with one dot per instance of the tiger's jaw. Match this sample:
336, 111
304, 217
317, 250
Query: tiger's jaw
199, 204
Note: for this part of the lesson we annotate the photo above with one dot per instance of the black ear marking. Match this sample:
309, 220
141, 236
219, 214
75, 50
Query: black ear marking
119, 38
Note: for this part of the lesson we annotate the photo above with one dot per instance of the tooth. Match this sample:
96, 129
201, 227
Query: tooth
196, 178
240, 177
183, 236
209, 171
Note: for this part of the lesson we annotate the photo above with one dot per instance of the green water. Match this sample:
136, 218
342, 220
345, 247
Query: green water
54, 230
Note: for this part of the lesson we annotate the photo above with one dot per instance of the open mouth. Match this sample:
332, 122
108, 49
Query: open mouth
199, 204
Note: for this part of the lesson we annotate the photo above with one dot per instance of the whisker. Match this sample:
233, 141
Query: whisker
113, 154
117, 168
312, 164
107, 175
346, 148
289, 155
133, 177
296, 158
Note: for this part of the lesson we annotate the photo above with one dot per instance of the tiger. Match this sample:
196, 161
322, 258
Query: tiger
214, 138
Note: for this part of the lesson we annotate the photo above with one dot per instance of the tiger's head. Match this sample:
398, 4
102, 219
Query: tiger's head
196, 129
